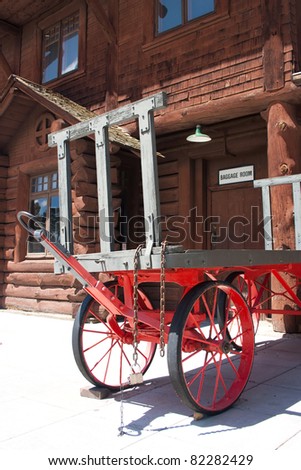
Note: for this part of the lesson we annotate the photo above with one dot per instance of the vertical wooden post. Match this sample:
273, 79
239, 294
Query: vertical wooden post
273, 56
284, 143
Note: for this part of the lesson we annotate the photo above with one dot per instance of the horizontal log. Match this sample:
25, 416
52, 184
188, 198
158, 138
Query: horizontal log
90, 219
90, 204
31, 266
12, 182
166, 182
169, 195
83, 249
170, 209
9, 242
9, 229
3, 172
86, 203
85, 234
11, 193
10, 216
88, 175
77, 147
30, 292
91, 243
13, 171
84, 219
2, 205
40, 279
3, 183
37, 166
80, 188
11, 209
88, 160
43, 306
83, 160
168, 168
4, 160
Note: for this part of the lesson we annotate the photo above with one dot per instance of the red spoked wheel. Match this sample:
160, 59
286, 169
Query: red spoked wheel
101, 356
248, 289
205, 367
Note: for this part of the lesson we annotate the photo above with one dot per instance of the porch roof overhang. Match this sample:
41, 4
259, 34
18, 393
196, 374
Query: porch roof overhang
22, 94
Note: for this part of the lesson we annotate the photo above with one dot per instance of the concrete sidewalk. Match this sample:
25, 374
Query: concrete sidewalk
43, 414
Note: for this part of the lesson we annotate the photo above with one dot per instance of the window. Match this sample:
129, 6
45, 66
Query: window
173, 13
44, 204
42, 130
61, 48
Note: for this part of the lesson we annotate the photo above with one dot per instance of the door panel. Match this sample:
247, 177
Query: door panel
235, 218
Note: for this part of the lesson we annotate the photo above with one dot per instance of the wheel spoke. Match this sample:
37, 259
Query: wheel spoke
104, 355
219, 379
95, 344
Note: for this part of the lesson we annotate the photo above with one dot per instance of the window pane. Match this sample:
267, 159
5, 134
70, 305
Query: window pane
169, 14
40, 184
70, 39
54, 181
38, 208
196, 8
54, 219
34, 185
51, 53
70, 53
45, 183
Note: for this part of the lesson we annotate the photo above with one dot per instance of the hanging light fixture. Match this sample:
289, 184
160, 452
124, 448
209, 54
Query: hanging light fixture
198, 136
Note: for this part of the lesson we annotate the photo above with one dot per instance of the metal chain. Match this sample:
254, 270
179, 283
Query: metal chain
162, 298
135, 304
121, 427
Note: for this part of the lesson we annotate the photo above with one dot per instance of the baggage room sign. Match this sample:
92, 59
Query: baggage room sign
236, 175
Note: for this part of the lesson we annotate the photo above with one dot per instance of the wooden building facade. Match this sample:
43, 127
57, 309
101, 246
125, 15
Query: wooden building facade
233, 66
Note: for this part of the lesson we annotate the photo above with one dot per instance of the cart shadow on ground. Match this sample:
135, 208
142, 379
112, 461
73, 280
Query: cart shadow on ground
274, 388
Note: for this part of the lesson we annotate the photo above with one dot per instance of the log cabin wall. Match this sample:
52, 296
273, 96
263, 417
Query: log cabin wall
215, 71
28, 281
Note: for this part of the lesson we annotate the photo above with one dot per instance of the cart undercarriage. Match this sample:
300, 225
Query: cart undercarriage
210, 334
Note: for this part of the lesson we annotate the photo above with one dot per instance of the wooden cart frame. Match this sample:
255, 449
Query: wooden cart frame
210, 335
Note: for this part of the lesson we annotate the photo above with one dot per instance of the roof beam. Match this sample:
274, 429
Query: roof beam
102, 17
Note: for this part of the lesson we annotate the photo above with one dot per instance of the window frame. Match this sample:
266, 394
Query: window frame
59, 17
50, 192
184, 14
154, 39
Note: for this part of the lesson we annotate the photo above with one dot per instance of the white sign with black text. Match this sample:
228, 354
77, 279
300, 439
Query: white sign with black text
236, 175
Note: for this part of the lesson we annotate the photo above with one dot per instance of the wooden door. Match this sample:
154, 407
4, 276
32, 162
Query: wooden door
235, 218
234, 211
